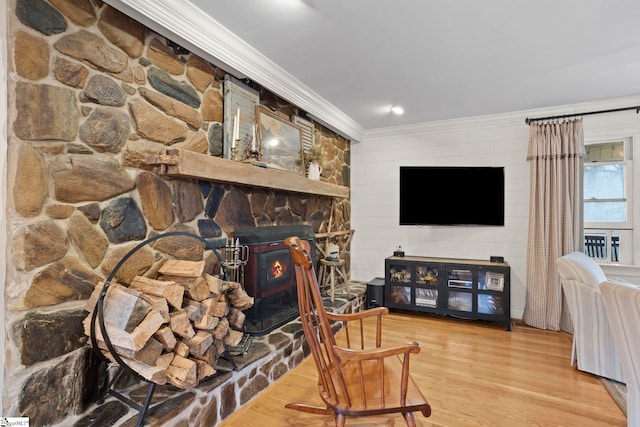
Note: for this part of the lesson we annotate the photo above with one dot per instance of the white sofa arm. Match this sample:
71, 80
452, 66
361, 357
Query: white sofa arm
594, 348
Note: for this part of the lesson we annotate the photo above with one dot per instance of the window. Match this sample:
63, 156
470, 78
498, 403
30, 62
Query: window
608, 225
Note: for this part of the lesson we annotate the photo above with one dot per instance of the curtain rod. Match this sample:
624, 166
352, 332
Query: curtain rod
562, 116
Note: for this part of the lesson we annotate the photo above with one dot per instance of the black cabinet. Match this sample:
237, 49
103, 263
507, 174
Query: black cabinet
470, 289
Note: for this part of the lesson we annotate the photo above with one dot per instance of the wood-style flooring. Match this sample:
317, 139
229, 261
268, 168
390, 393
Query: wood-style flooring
473, 374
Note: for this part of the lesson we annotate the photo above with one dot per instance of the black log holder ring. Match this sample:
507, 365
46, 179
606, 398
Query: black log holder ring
98, 314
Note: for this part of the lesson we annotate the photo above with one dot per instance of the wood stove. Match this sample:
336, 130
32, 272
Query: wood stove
269, 275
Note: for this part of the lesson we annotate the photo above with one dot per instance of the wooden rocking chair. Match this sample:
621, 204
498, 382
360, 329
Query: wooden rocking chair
356, 380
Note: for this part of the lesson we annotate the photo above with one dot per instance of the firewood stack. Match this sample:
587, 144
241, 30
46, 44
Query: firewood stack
172, 328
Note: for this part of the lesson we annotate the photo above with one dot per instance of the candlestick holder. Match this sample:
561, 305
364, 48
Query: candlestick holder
234, 152
253, 154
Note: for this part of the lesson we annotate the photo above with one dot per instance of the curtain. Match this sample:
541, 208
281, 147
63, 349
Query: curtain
555, 155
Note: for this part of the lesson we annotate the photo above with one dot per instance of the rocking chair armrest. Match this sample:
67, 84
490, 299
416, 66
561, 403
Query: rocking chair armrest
347, 317
354, 355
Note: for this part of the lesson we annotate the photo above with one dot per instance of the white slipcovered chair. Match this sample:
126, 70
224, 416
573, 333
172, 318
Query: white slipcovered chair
622, 302
594, 348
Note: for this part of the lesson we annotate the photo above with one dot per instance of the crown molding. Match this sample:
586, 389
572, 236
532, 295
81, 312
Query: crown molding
497, 120
185, 24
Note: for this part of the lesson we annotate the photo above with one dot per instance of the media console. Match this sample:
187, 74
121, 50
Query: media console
464, 288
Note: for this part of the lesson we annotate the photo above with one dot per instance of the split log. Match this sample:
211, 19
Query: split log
194, 309
160, 288
181, 324
139, 336
181, 349
207, 323
158, 304
222, 329
236, 319
217, 308
197, 289
131, 306
233, 338
210, 356
204, 370
153, 373
239, 298
165, 360
219, 346
182, 372
147, 354
176, 267
166, 338
200, 343
215, 285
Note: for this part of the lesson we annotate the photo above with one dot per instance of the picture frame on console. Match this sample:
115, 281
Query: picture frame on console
494, 281
281, 142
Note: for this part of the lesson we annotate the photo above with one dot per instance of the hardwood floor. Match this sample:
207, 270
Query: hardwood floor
473, 373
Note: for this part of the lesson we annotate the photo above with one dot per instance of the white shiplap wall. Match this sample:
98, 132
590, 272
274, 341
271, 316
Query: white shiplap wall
499, 140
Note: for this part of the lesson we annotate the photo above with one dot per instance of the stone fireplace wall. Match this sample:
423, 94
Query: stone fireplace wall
91, 94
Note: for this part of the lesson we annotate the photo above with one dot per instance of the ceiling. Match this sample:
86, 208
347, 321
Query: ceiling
442, 59
445, 59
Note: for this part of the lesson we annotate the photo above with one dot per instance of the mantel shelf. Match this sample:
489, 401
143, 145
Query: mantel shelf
190, 164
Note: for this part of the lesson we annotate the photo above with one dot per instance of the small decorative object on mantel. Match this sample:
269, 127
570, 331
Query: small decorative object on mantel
235, 138
238, 94
315, 157
254, 153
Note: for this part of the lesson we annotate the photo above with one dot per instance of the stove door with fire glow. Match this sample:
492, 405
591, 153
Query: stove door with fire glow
275, 271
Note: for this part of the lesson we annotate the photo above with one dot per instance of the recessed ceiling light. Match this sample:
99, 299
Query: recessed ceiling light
397, 110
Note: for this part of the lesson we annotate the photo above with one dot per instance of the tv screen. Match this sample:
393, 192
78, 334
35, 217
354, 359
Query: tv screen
451, 195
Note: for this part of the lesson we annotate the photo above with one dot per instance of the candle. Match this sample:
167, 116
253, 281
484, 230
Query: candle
233, 134
236, 129
253, 138
237, 125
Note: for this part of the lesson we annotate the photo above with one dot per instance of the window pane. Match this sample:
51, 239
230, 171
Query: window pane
604, 181
604, 211
606, 152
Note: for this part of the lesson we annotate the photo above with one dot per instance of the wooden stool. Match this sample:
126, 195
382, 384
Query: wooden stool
329, 277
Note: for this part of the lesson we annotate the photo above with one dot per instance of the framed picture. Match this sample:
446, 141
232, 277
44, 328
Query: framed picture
238, 97
281, 142
494, 281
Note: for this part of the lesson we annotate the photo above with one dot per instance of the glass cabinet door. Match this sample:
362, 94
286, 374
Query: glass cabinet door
427, 280
460, 286
399, 280
491, 284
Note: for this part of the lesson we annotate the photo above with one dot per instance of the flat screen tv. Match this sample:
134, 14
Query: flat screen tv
452, 195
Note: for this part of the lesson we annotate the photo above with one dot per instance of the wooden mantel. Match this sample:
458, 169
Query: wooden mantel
190, 164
